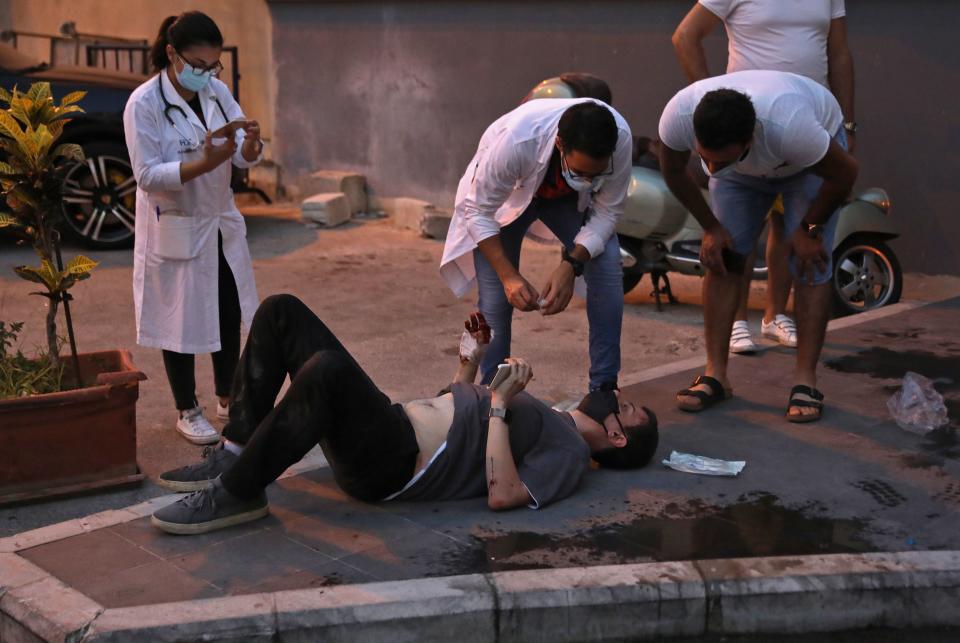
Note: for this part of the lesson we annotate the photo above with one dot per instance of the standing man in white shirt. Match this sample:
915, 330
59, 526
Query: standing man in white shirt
559, 166
806, 37
760, 134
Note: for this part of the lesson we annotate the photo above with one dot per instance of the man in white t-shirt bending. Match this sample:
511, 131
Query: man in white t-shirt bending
760, 134
807, 37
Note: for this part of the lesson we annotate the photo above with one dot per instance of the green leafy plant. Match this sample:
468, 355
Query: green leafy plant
31, 177
20, 375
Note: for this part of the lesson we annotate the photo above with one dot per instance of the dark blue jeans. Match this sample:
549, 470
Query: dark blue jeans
603, 274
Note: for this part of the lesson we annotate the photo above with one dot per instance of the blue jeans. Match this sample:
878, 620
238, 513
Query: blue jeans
603, 275
741, 204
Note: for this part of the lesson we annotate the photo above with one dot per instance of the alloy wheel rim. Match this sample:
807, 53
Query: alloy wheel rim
864, 277
100, 199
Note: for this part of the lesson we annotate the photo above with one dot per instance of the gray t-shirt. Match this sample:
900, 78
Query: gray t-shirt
550, 455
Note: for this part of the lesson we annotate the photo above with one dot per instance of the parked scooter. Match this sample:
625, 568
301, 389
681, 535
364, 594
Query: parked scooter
659, 236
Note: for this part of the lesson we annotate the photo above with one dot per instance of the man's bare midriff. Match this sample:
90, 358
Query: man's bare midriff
431, 420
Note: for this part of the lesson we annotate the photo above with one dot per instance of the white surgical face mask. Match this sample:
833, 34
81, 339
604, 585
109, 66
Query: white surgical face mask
727, 170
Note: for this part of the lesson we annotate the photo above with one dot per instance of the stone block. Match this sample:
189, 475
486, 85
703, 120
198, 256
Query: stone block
353, 185
405, 212
249, 618
266, 176
456, 608
613, 602
435, 223
803, 594
329, 210
16, 571
48, 609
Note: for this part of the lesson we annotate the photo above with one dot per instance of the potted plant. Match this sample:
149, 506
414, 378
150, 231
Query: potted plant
64, 426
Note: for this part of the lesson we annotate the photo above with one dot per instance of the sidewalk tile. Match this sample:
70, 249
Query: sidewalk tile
79, 559
158, 582
240, 563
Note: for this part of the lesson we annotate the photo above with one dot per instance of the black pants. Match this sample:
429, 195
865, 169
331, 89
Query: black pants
369, 442
180, 366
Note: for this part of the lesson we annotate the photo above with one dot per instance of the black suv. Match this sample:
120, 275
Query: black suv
101, 192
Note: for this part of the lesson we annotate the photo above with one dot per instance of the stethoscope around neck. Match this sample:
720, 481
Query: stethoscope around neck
167, 106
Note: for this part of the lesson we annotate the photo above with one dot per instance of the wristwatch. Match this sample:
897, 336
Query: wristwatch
814, 230
503, 414
577, 265
851, 126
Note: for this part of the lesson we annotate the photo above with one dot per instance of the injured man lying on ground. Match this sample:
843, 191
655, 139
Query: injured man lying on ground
474, 441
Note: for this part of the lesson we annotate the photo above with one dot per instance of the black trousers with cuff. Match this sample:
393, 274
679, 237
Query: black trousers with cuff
180, 367
368, 441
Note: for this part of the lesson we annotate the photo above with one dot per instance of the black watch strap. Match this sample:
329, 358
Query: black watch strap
503, 414
577, 265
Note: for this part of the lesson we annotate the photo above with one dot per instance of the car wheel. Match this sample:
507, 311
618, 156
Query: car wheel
866, 276
100, 196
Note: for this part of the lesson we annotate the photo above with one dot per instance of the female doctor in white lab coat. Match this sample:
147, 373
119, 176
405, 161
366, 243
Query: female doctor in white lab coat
192, 275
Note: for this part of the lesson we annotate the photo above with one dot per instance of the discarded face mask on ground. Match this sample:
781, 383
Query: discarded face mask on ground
689, 463
917, 407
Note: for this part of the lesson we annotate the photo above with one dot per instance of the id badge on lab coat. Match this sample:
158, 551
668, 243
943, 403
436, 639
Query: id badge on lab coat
174, 231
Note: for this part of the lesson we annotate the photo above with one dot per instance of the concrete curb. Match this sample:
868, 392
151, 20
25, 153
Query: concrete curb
648, 601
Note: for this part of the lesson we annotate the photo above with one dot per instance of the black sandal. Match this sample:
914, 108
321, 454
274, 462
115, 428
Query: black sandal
717, 394
815, 403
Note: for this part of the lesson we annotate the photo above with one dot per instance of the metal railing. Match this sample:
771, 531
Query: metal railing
136, 59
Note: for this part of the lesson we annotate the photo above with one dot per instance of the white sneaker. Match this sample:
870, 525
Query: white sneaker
783, 329
195, 428
223, 412
740, 339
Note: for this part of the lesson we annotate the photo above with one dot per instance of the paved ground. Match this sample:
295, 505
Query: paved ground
854, 482
379, 289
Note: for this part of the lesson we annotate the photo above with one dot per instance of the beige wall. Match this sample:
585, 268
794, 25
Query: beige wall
244, 23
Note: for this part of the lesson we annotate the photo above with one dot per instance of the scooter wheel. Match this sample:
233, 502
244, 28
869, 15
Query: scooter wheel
866, 276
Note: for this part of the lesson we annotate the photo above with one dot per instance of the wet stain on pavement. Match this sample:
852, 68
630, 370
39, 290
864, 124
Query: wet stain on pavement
884, 363
920, 461
757, 525
882, 493
943, 441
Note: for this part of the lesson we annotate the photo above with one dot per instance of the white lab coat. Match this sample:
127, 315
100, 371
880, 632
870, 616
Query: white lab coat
505, 174
176, 299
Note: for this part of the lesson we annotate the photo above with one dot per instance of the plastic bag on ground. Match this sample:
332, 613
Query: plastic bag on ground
917, 407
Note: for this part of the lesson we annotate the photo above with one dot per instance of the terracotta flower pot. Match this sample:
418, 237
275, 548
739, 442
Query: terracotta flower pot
75, 440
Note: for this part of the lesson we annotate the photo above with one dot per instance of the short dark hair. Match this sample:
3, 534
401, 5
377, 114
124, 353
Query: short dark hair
589, 128
586, 85
642, 441
724, 117
188, 29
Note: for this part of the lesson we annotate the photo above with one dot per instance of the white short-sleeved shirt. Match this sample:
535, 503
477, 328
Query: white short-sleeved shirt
796, 118
784, 35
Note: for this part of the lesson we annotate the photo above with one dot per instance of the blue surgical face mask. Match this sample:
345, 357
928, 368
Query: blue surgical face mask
190, 80
579, 183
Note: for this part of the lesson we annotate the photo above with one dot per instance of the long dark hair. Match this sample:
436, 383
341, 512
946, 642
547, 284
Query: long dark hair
188, 29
